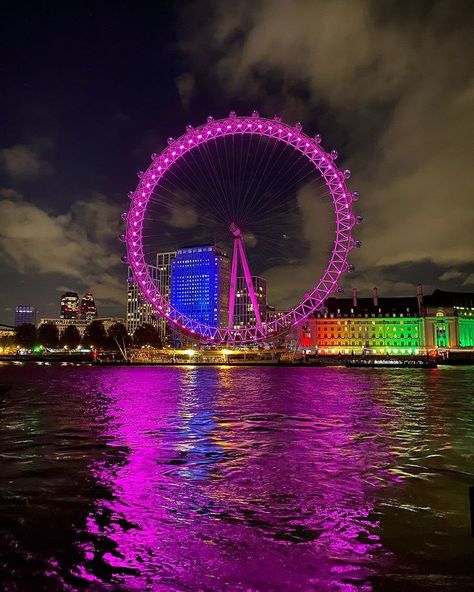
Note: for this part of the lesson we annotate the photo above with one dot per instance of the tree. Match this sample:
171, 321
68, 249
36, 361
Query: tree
71, 337
118, 333
95, 335
48, 335
146, 335
25, 336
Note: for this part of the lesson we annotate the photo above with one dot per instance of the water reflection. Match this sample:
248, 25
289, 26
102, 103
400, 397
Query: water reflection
239, 479
213, 478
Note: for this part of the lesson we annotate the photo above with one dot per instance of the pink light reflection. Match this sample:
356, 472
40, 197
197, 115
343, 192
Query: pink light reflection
225, 478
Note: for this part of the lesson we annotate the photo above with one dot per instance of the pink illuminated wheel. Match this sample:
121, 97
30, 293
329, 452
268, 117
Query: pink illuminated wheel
197, 141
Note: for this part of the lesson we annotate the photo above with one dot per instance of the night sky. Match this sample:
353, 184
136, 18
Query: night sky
89, 91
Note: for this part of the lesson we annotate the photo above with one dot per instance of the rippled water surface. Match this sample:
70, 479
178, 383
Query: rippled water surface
185, 478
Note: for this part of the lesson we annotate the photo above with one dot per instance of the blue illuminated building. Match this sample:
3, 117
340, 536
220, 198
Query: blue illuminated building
200, 284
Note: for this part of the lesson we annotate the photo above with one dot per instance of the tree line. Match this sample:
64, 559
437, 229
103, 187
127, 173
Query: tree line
95, 335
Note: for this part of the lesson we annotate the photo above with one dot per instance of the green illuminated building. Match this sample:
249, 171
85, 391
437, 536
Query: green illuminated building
405, 325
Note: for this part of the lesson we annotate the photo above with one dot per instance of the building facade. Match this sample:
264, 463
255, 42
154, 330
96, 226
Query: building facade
69, 305
25, 314
164, 262
81, 324
244, 314
88, 309
389, 325
199, 286
139, 311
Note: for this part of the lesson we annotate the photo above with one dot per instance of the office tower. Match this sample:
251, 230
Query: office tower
244, 315
139, 311
200, 284
88, 307
69, 305
25, 314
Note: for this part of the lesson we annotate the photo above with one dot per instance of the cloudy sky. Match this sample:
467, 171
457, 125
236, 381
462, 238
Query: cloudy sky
88, 92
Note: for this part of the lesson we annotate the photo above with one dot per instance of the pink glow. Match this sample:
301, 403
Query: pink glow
322, 162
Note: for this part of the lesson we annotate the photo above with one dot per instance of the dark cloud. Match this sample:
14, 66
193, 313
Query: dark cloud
24, 161
398, 84
78, 245
182, 216
186, 85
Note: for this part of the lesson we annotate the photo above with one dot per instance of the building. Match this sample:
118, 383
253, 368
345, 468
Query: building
164, 262
449, 319
273, 314
88, 307
199, 288
81, 324
244, 314
7, 331
69, 305
25, 314
139, 311
404, 325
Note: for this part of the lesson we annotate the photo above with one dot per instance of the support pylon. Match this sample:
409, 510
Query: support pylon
239, 251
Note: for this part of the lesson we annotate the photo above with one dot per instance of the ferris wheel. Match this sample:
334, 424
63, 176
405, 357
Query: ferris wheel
236, 181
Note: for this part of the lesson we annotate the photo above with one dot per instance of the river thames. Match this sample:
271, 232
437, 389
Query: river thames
236, 478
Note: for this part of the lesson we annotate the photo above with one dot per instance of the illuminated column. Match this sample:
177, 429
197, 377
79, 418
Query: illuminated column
233, 284
239, 250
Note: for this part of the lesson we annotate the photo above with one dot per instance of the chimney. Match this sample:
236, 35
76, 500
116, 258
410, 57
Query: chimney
354, 297
419, 297
375, 297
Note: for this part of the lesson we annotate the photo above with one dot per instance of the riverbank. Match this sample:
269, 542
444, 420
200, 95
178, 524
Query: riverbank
453, 358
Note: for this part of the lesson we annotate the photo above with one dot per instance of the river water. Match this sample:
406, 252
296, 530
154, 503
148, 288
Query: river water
236, 479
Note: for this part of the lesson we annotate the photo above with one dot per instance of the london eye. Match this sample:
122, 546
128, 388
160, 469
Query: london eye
266, 196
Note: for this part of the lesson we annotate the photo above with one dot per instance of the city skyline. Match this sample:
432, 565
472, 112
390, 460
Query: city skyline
237, 296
